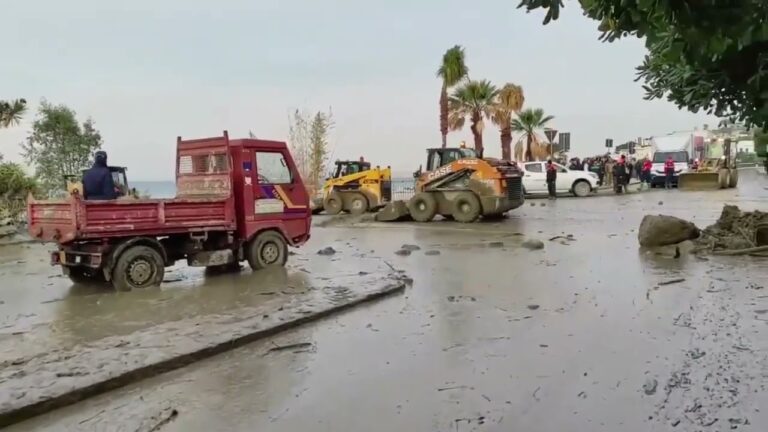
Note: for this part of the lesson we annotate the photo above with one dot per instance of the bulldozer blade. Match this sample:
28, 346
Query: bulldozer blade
394, 212
699, 181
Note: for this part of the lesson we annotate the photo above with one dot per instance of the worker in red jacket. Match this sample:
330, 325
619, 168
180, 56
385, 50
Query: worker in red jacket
645, 173
551, 179
669, 171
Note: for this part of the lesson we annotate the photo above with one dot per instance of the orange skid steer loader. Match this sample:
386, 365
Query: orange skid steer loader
461, 186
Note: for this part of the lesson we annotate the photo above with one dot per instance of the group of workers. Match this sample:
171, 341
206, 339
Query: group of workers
621, 172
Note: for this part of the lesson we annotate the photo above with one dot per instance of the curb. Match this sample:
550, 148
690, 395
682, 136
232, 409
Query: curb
71, 396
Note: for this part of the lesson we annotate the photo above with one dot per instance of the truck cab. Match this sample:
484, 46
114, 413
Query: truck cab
236, 200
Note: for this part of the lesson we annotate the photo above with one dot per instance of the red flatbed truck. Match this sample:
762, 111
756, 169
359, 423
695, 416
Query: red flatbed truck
237, 200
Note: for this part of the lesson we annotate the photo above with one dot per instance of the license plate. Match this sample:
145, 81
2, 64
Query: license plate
76, 259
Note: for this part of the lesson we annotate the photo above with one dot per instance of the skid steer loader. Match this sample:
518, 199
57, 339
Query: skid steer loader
459, 185
356, 188
713, 173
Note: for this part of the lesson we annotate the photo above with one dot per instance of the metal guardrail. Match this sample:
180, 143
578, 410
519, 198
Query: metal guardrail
403, 189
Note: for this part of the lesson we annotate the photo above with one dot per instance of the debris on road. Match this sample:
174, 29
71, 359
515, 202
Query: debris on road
156, 422
533, 306
533, 244
300, 345
403, 252
454, 299
696, 354
671, 281
432, 252
736, 233
327, 251
650, 386
663, 230
410, 247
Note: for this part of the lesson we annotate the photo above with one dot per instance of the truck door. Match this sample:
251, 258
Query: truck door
534, 180
279, 192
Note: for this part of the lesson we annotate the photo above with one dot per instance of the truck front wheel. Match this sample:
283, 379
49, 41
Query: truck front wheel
138, 267
267, 249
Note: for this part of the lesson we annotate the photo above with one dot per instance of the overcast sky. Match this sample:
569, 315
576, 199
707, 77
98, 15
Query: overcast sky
147, 71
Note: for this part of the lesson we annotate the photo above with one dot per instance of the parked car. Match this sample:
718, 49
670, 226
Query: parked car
579, 183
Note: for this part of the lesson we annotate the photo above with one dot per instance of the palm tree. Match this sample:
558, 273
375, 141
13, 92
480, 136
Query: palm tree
11, 112
451, 71
528, 122
509, 101
473, 100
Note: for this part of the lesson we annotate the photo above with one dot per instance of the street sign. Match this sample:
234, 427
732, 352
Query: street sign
550, 133
565, 141
609, 142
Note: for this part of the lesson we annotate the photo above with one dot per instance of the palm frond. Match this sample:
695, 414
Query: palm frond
453, 68
12, 112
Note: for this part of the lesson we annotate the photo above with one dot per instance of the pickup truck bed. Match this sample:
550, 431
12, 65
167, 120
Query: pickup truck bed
64, 221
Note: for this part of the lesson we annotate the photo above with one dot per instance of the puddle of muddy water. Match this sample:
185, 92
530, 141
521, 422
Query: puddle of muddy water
41, 310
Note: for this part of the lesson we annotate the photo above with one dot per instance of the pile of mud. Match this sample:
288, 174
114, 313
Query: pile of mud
735, 230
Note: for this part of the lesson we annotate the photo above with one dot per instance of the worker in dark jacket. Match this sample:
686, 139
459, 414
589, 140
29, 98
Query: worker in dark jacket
551, 179
97, 181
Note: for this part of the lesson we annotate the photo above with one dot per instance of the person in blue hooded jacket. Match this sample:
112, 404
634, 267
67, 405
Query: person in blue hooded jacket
97, 180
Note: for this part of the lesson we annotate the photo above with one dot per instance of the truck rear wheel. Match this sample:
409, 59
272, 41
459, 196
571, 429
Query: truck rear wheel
358, 203
466, 207
268, 249
422, 207
333, 203
138, 267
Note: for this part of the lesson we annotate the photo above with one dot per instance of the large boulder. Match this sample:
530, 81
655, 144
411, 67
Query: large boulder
663, 230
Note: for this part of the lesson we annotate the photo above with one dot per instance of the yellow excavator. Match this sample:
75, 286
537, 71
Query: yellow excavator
355, 187
74, 183
713, 172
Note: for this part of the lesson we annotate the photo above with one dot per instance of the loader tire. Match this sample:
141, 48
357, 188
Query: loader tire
734, 180
267, 249
138, 267
333, 204
422, 207
724, 178
358, 203
466, 207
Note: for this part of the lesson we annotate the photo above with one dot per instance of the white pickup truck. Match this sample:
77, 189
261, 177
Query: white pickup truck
579, 183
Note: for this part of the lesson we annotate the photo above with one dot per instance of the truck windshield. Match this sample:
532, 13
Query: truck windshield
677, 156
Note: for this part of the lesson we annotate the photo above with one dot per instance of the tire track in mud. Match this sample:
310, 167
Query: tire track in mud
722, 369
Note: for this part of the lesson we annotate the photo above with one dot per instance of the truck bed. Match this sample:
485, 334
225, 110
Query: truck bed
73, 219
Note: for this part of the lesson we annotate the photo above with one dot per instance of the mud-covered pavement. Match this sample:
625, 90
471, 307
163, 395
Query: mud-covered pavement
588, 333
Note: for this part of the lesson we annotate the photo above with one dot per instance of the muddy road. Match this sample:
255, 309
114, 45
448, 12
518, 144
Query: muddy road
588, 333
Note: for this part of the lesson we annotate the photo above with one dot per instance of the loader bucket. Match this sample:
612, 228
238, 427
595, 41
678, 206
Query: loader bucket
699, 181
395, 211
